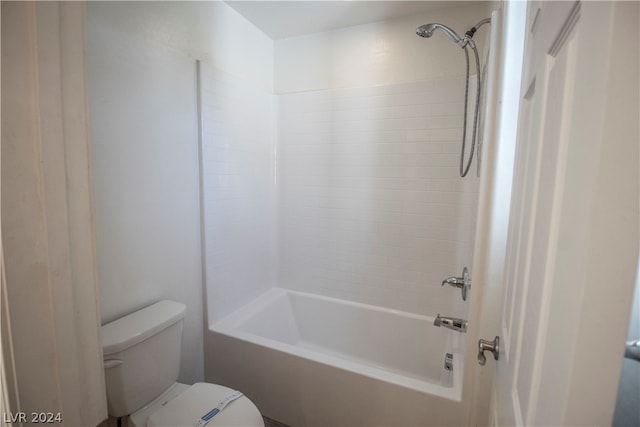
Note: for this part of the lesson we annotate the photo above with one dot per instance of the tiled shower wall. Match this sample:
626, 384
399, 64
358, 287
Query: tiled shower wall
370, 204
238, 192
349, 193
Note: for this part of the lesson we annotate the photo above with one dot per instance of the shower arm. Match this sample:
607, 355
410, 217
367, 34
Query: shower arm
481, 23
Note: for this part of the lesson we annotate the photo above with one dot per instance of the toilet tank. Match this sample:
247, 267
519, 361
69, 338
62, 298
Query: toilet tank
142, 355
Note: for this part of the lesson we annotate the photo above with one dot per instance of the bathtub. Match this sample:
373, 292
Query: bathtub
310, 360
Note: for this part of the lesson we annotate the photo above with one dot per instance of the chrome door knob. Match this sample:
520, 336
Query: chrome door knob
492, 346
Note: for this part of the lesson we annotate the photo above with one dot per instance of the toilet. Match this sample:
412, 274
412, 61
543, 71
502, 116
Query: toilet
141, 362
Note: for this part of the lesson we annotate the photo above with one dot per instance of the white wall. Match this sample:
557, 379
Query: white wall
211, 31
370, 204
381, 53
238, 191
142, 91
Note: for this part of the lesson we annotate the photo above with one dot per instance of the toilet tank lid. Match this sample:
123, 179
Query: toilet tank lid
140, 325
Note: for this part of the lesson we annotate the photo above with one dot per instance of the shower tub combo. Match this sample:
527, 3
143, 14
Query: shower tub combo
313, 360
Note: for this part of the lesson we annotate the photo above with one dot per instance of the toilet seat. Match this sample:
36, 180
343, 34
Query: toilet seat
189, 406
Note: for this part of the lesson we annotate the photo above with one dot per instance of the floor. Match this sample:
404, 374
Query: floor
111, 422
268, 422
627, 413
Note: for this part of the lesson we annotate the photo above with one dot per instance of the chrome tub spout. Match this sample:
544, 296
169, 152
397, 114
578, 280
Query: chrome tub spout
452, 323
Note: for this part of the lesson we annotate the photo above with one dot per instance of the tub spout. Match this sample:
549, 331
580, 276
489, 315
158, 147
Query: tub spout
452, 323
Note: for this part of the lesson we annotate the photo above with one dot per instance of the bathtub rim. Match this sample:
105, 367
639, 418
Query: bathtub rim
230, 325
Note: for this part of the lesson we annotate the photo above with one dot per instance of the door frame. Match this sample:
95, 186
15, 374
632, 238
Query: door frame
494, 205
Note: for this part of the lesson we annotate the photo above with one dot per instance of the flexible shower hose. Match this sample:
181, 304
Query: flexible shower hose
465, 169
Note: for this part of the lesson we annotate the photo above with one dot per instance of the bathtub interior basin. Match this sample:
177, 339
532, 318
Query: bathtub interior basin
397, 347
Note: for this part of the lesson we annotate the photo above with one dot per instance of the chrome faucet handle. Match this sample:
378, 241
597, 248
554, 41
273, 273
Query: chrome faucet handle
456, 282
463, 283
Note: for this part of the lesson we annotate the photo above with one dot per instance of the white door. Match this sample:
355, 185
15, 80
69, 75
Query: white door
573, 230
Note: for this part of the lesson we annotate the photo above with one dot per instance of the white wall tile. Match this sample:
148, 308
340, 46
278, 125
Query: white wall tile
352, 57
370, 204
239, 190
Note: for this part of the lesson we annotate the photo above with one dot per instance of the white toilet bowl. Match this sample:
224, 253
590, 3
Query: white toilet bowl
142, 358
183, 405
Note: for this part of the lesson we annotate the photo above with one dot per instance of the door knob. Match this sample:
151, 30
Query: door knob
492, 346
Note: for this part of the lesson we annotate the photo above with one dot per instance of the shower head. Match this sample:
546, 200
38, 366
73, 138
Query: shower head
427, 30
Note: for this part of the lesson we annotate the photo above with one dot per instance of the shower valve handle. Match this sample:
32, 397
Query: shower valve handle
456, 282
463, 283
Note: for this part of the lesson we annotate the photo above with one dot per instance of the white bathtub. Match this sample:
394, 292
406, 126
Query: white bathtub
310, 360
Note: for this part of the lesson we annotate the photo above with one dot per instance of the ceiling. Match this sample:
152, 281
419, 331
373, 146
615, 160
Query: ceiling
282, 19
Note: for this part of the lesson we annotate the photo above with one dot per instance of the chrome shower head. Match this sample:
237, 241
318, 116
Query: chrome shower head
427, 30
